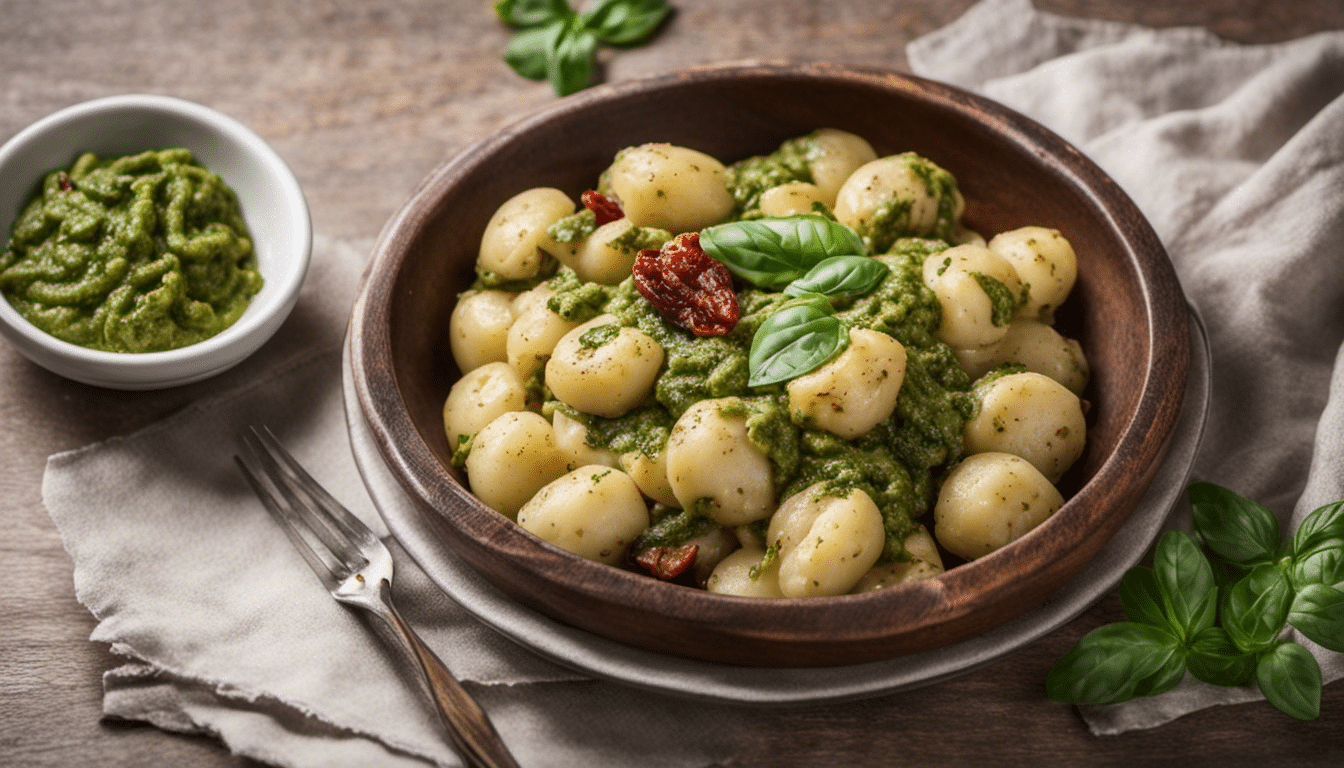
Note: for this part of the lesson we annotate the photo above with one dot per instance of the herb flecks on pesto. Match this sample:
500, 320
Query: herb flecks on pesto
142, 253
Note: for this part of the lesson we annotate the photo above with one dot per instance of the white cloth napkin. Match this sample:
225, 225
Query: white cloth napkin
1236, 155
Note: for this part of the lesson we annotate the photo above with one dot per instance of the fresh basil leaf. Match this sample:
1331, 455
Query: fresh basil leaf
1290, 679
531, 13
1322, 564
840, 276
1318, 613
528, 52
793, 341
1113, 663
771, 253
1141, 597
1325, 522
1185, 582
1215, 659
622, 22
1256, 607
571, 52
1233, 526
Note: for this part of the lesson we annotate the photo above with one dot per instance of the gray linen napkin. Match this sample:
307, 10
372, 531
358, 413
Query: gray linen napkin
1236, 155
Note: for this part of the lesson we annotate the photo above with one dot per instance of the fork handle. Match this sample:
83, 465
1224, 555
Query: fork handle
467, 724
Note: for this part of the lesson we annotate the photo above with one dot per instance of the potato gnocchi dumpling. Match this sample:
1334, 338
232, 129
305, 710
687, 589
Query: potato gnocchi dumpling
512, 458
669, 187
650, 474
710, 457
923, 562
854, 392
989, 501
825, 543
732, 576
1044, 261
978, 292
834, 156
603, 369
1037, 347
534, 334
478, 329
926, 409
893, 188
790, 199
1032, 416
512, 244
571, 437
594, 512
480, 397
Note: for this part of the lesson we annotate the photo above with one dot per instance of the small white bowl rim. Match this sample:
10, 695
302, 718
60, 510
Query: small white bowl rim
137, 365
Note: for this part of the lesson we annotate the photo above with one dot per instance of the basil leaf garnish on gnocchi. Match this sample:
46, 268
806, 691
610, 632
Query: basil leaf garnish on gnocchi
795, 340
771, 253
840, 276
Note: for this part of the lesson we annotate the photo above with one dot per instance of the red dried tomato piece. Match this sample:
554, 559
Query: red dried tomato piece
691, 289
63, 181
668, 563
606, 209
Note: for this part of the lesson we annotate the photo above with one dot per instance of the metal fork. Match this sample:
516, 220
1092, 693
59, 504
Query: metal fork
357, 569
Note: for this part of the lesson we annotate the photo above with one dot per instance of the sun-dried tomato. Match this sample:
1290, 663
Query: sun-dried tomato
668, 563
606, 209
690, 289
63, 181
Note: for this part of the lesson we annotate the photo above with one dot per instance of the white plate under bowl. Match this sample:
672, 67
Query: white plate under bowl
607, 659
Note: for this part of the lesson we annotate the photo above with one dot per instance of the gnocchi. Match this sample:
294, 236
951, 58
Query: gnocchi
600, 424
990, 500
669, 187
825, 543
594, 512
1032, 416
603, 369
512, 246
711, 458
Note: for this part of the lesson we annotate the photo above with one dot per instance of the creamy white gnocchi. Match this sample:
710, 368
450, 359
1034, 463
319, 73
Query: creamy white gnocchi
898, 401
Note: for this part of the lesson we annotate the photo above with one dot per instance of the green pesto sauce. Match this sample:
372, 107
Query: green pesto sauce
636, 239
669, 526
897, 463
574, 227
143, 253
748, 179
1003, 303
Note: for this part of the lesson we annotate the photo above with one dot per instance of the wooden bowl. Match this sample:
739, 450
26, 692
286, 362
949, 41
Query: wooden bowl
1127, 310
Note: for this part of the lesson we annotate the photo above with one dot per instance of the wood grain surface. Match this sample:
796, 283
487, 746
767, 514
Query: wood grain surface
363, 99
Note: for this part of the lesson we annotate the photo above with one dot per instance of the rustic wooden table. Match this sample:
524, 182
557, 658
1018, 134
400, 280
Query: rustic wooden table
363, 99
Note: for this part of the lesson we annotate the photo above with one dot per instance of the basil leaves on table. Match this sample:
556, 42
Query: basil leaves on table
1219, 615
557, 44
771, 253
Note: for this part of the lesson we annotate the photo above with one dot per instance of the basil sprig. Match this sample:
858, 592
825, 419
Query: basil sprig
797, 338
555, 43
1184, 618
771, 253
